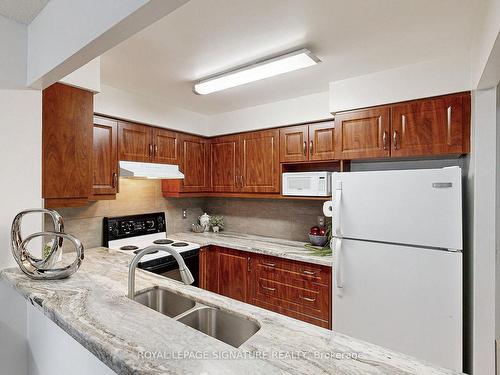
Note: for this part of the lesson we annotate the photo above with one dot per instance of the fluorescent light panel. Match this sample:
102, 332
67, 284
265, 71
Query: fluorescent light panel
255, 72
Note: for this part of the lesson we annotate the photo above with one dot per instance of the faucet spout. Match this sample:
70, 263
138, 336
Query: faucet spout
186, 275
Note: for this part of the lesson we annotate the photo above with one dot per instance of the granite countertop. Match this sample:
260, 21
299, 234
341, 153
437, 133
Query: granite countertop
287, 249
130, 338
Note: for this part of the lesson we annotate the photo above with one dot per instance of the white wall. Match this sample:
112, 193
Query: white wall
20, 145
487, 34
13, 332
52, 351
129, 106
415, 81
482, 181
291, 111
13, 39
68, 34
88, 77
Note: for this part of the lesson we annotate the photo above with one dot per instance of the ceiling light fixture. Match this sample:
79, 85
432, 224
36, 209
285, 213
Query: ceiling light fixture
255, 72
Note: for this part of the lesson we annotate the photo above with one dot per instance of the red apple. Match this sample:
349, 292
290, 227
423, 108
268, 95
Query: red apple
314, 231
322, 231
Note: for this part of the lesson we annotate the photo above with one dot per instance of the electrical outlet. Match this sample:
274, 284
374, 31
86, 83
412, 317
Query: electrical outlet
184, 213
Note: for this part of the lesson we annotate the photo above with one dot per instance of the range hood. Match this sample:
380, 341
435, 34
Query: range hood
132, 169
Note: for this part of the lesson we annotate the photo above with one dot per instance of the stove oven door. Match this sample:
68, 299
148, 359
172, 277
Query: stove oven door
168, 267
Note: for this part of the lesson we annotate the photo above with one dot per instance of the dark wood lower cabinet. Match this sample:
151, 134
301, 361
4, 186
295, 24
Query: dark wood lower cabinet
295, 289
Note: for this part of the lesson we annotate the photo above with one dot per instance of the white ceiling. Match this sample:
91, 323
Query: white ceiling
22, 11
351, 38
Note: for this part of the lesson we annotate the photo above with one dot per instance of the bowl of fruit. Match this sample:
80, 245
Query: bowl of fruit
318, 236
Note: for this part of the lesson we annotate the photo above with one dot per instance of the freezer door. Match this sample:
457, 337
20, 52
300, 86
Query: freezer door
418, 207
404, 298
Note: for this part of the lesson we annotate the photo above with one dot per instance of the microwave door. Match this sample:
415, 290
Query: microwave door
300, 185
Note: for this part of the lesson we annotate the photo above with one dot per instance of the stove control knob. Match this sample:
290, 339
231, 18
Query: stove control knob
160, 226
150, 224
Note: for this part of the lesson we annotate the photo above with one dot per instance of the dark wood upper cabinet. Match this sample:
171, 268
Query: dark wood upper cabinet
195, 163
435, 126
321, 141
134, 142
294, 143
362, 134
165, 146
260, 162
105, 156
313, 142
67, 115
225, 163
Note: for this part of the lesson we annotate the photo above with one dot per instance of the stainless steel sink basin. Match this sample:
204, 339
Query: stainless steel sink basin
222, 325
164, 301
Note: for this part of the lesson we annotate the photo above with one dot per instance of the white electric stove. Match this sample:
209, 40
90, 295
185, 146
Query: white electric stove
130, 234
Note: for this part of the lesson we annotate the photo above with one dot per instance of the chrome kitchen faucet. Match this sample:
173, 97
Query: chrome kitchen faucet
186, 275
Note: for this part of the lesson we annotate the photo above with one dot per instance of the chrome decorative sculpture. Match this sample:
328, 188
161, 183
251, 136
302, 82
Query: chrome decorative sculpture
40, 268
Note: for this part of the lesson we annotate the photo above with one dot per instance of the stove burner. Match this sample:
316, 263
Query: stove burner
163, 242
154, 252
129, 247
180, 244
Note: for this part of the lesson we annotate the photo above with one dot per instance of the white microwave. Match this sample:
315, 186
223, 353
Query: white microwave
309, 184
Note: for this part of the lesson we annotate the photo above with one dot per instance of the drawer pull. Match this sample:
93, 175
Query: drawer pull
310, 273
267, 288
308, 299
269, 264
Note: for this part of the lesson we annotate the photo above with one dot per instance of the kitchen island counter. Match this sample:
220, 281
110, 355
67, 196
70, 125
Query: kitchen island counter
92, 307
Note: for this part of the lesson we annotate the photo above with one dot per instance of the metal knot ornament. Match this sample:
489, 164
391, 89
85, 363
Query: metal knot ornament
43, 268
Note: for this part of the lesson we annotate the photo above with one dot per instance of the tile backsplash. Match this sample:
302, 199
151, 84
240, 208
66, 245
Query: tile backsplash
281, 218
287, 219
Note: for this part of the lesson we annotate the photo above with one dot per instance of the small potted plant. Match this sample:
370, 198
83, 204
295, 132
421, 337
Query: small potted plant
216, 223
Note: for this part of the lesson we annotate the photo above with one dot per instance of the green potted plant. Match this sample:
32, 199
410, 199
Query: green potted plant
217, 223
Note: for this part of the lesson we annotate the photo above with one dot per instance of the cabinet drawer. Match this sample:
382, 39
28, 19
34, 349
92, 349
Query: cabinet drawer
293, 314
296, 273
311, 299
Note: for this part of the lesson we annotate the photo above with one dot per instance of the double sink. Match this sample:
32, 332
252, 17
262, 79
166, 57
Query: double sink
224, 326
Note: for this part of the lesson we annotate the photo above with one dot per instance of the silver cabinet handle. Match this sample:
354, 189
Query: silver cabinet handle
269, 264
384, 140
267, 288
150, 149
156, 150
307, 299
115, 178
310, 147
248, 263
304, 148
395, 139
448, 117
311, 273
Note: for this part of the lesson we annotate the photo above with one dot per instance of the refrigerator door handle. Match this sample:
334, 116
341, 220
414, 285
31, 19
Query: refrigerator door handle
337, 202
339, 283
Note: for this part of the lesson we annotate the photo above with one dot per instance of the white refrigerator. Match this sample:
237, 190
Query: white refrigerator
397, 277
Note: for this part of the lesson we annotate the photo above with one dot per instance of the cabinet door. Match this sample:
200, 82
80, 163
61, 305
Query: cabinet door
225, 163
165, 146
195, 163
66, 143
134, 142
105, 156
293, 143
429, 127
233, 274
362, 134
260, 162
321, 145
209, 269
